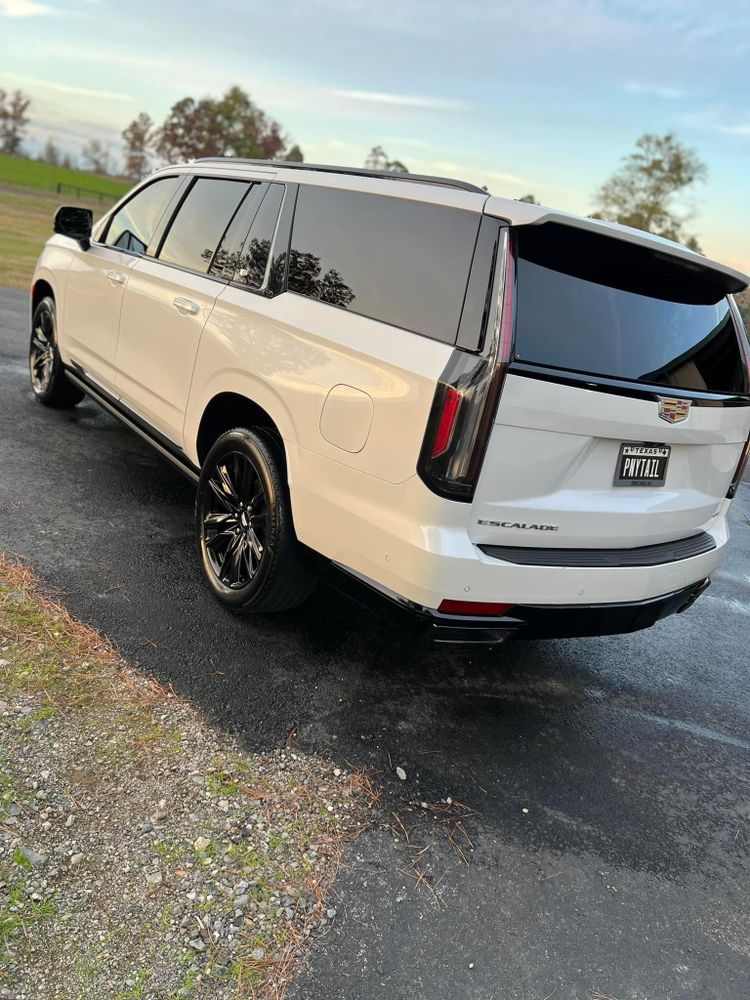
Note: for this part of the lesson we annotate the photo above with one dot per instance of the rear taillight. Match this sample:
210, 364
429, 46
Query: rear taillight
467, 395
739, 470
742, 336
447, 423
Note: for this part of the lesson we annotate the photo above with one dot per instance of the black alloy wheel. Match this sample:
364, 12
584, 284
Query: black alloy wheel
48, 380
250, 555
42, 351
235, 520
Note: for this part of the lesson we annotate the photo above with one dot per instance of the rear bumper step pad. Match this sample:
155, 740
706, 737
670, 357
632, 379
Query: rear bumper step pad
644, 555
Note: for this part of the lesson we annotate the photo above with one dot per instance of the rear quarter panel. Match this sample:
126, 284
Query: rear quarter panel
287, 353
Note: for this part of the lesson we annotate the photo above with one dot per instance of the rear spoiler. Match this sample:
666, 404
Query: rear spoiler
722, 277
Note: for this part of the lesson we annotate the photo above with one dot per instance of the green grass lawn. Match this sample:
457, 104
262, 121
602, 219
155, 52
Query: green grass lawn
28, 199
44, 177
25, 225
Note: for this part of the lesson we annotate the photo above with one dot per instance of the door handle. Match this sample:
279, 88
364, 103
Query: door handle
115, 277
185, 306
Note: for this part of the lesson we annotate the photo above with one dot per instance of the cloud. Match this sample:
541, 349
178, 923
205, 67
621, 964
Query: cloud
24, 8
652, 90
402, 100
717, 119
64, 88
738, 128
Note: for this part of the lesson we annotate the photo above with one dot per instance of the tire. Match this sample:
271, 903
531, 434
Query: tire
48, 380
250, 555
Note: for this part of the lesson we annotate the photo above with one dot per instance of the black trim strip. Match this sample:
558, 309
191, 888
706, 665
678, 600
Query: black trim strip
524, 621
133, 422
623, 387
644, 555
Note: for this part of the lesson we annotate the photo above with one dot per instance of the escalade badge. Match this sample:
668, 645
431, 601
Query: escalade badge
519, 524
673, 410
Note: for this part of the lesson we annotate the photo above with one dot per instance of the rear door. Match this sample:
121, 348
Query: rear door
168, 300
625, 409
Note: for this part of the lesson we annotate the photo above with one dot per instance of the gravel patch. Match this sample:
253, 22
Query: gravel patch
143, 854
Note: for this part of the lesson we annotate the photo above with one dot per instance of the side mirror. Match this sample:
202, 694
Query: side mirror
76, 223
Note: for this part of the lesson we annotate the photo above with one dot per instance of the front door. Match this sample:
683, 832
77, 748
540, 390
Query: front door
167, 302
98, 276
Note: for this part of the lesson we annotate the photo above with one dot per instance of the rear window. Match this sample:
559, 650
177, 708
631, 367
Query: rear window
594, 305
395, 260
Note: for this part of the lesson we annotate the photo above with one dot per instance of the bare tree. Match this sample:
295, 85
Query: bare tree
96, 157
136, 138
50, 153
13, 121
378, 160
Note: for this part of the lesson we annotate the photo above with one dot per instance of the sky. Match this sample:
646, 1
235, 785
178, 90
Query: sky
541, 96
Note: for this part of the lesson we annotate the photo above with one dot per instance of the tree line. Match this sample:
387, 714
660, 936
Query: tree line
644, 192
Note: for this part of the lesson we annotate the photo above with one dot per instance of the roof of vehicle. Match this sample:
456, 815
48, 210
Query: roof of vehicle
517, 213
386, 175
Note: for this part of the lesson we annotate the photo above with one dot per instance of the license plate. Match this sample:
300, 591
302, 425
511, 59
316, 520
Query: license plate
642, 465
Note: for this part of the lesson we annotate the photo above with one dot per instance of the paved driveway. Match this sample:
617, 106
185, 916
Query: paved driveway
609, 778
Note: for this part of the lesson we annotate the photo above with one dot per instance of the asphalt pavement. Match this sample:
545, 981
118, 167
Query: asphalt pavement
604, 783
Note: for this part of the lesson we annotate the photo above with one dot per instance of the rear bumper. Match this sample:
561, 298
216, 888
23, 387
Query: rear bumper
540, 621
414, 544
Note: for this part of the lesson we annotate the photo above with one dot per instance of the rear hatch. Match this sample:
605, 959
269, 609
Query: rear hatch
625, 408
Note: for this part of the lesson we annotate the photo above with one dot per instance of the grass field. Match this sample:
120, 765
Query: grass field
44, 177
28, 199
25, 225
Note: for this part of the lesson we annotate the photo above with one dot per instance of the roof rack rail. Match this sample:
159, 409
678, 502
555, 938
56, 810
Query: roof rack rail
353, 171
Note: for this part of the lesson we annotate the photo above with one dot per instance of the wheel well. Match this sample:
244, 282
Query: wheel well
40, 291
227, 411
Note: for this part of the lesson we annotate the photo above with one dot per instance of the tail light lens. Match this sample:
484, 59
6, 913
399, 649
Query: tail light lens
745, 349
739, 470
467, 394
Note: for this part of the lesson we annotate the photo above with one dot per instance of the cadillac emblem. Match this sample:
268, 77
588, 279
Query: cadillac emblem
673, 410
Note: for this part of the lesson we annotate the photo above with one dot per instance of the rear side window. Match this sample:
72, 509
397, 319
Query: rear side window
253, 261
622, 312
133, 227
398, 261
245, 248
200, 222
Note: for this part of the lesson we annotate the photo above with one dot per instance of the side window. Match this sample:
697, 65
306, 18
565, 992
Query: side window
254, 256
399, 261
200, 222
135, 224
226, 259
245, 248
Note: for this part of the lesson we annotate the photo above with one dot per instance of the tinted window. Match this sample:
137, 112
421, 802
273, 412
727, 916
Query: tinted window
227, 256
200, 222
243, 254
626, 317
254, 256
135, 224
398, 261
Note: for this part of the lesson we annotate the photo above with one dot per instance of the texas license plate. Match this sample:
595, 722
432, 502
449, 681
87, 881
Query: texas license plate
642, 465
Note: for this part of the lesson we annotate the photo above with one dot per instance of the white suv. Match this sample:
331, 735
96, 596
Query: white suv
486, 416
